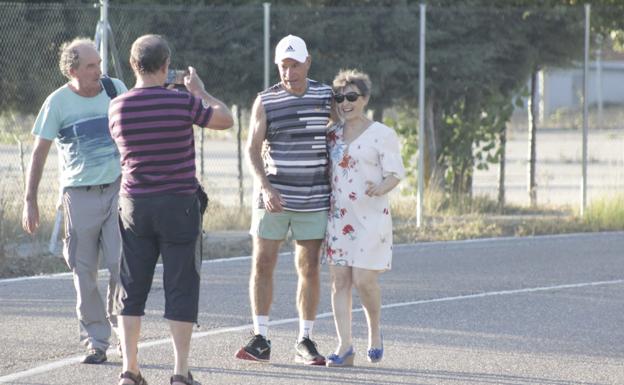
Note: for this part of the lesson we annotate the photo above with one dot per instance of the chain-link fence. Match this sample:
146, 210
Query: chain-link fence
479, 63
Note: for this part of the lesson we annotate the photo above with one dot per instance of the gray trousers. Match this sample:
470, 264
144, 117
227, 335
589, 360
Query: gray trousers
91, 230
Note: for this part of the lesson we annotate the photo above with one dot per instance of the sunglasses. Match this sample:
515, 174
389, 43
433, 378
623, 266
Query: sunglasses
351, 96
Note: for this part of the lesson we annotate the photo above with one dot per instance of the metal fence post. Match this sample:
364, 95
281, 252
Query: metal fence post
267, 42
421, 117
104, 33
599, 100
236, 111
585, 110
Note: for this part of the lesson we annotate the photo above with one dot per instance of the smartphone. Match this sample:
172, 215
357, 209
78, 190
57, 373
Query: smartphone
176, 77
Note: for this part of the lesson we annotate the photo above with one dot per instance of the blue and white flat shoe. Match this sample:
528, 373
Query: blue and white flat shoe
334, 360
375, 354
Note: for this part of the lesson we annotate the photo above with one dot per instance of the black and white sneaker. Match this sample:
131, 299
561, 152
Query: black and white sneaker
306, 353
257, 349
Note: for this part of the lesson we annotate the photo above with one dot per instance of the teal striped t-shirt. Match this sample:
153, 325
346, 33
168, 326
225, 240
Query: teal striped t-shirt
79, 127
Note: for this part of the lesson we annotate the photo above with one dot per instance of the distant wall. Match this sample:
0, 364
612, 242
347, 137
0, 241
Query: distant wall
563, 88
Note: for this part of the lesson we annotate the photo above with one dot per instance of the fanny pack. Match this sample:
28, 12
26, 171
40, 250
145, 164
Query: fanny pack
203, 198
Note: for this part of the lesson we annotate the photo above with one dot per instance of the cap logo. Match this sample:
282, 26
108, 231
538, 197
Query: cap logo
290, 49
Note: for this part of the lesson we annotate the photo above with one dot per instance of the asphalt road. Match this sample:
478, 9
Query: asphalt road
535, 311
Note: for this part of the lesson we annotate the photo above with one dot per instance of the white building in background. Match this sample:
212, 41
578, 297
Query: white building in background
563, 88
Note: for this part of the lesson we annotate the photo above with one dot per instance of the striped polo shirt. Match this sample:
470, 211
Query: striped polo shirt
153, 129
295, 159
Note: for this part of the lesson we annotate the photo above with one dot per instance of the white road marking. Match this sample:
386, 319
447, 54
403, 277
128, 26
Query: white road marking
76, 359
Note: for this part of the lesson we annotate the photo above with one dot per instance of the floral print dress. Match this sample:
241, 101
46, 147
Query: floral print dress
359, 229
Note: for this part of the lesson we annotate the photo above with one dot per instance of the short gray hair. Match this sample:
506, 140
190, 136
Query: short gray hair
353, 77
149, 53
70, 54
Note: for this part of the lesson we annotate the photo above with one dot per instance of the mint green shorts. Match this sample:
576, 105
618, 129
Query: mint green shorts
303, 225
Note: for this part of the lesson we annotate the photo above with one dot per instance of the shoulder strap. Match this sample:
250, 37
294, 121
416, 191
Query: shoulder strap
109, 87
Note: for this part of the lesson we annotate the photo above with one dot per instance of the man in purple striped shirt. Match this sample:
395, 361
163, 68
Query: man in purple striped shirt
159, 209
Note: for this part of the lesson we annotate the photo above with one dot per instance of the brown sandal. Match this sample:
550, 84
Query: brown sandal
188, 380
136, 378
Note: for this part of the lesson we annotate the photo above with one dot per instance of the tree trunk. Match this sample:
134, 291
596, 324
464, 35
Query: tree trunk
462, 181
532, 185
378, 114
501, 169
468, 180
471, 112
434, 171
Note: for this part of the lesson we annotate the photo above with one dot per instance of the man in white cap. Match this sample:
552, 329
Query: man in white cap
291, 192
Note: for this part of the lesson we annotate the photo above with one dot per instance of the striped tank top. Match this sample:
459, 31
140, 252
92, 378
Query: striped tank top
295, 156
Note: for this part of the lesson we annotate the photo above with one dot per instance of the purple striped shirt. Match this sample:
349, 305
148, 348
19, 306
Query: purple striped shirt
153, 129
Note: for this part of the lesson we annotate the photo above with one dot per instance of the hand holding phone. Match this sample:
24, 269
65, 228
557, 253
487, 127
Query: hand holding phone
176, 77
193, 83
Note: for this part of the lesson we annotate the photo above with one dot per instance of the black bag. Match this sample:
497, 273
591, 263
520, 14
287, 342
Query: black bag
203, 198
109, 87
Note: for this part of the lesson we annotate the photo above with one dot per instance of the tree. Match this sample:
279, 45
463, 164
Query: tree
553, 39
31, 37
474, 69
479, 55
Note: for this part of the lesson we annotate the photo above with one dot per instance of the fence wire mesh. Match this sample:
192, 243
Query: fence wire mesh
478, 82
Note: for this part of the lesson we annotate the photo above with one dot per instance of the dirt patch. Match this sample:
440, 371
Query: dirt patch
11, 267
224, 244
33, 258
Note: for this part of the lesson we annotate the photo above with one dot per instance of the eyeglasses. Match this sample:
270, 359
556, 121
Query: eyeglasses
351, 96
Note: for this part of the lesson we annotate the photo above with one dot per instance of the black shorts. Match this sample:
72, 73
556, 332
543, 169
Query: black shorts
167, 225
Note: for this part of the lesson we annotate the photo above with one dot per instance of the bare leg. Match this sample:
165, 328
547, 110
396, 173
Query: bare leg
341, 305
309, 283
181, 333
129, 332
370, 294
261, 280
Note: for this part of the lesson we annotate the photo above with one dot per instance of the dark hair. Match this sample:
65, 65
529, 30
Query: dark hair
149, 53
354, 77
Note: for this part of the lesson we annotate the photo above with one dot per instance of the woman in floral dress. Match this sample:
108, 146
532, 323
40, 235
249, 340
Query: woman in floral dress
365, 164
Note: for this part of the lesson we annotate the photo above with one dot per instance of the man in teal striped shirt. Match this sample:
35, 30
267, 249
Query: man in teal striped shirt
75, 117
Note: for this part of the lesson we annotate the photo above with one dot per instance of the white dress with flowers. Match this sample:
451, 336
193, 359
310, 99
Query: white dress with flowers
359, 230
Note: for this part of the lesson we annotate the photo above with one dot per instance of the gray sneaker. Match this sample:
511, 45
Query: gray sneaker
94, 356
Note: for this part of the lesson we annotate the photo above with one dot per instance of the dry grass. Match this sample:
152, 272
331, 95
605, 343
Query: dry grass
219, 217
605, 214
226, 226
478, 218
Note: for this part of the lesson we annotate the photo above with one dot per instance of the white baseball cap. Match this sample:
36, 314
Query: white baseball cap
291, 47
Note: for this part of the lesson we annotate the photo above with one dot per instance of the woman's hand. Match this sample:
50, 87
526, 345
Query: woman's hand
373, 189
387, 184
